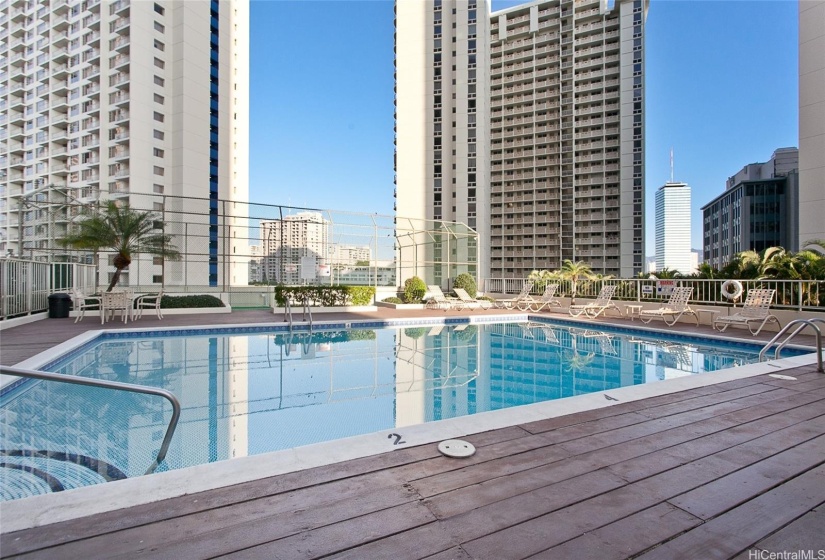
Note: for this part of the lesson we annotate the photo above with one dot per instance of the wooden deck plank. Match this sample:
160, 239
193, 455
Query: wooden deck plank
491, 489
739, 529
804, 533
425, 541
523, 539
340, 536
626, 537
727, 492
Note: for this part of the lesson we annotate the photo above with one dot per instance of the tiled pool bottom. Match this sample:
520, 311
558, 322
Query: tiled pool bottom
253, 392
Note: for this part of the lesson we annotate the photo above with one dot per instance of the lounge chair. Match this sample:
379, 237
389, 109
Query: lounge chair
510, 303
439, 301
471, 302
756, 309
82, 302
596, 308
539, 303
672, 310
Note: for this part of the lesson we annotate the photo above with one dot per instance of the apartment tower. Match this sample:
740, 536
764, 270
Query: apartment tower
294, 247
673, 228
567, 136
442, 123
563, 175
811, 120
141, 102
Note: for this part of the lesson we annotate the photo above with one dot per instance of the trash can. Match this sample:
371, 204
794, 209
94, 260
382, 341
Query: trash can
59, 306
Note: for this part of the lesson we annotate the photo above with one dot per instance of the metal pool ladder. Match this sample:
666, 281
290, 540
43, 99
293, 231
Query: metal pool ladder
118, 386
306, 312
802, 324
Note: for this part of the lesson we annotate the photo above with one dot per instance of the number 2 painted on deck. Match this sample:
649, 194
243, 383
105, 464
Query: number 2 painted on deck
397, 439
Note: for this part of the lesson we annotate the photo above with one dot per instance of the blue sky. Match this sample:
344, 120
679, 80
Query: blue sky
721, 90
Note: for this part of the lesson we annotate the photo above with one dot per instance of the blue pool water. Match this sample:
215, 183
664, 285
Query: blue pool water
249, 391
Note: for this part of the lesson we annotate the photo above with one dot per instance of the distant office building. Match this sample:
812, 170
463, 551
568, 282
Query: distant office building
811, 120
349, 255
759, 209
695, 259
256, 264
144, 103
673, 227
526, 124
295, 247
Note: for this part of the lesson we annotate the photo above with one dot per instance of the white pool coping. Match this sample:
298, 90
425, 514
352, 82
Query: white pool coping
37, 511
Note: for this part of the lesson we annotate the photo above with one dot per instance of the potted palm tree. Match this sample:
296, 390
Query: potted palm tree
124, 231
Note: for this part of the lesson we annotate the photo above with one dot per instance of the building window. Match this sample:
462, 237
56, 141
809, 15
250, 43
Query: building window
159, 81
158, 134
159, 99
158, 189
159, 45
158, 170
159, 9
159, 63
157, 152
158, 116
159, 27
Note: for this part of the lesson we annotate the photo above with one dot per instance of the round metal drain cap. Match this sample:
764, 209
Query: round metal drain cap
780, 376
456, 448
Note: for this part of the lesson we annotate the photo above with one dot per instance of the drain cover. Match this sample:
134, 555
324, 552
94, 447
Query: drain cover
780, 376
456, 448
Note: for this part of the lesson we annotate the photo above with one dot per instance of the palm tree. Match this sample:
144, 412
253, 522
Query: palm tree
123, 230
667, 274
817, 245
574, 271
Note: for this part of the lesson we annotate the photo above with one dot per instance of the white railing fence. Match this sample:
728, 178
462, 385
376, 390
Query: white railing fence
25, 285
790, 294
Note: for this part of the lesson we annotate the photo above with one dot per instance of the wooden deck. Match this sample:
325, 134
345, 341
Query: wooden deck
711, 472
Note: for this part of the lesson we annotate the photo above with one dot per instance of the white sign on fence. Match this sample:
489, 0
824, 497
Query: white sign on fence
647, 290
665, 287
308, 270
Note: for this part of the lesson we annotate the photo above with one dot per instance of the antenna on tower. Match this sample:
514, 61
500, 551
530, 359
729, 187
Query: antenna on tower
671, 164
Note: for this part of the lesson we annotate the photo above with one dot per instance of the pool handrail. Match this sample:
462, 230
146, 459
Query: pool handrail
307, 311
116, 385
802, 324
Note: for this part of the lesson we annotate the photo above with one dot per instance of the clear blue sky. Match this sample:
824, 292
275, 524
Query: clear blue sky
721, 90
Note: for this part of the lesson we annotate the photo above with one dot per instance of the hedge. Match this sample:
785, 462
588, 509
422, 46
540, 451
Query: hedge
325, 296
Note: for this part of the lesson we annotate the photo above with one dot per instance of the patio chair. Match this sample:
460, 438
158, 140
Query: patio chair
114, 302
539, 303
596, 308
148, 301
756, 309
471, 302
439, 301
82, 302
670, 312
510, 303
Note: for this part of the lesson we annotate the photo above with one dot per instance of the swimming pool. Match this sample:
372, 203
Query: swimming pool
247, 391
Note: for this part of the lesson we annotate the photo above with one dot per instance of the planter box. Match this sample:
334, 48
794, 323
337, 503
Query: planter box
401, 305
338, 309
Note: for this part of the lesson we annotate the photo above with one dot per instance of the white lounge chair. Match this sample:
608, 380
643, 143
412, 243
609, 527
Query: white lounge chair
539, 303
471, 302
756, 309
510, 303
596, 308
670, 312
439, 301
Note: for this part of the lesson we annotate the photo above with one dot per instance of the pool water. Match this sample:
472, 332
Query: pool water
245, 392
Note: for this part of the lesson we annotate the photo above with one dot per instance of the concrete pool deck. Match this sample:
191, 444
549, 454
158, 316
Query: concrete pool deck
94, 518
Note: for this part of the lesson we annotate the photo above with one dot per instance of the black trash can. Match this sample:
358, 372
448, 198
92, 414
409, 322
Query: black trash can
59, 306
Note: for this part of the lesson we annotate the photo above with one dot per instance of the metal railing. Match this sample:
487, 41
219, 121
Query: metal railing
115, 385
803, 323
800, 295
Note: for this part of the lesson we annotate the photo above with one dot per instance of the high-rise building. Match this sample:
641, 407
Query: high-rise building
442, 121
142, 102
551, 165
759, 209
673, 228
811, 120
295, 247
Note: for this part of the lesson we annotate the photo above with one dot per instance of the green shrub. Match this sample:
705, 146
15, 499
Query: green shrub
189, 302
392, 299
325, 296
414, 290
466, 282
416, 332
